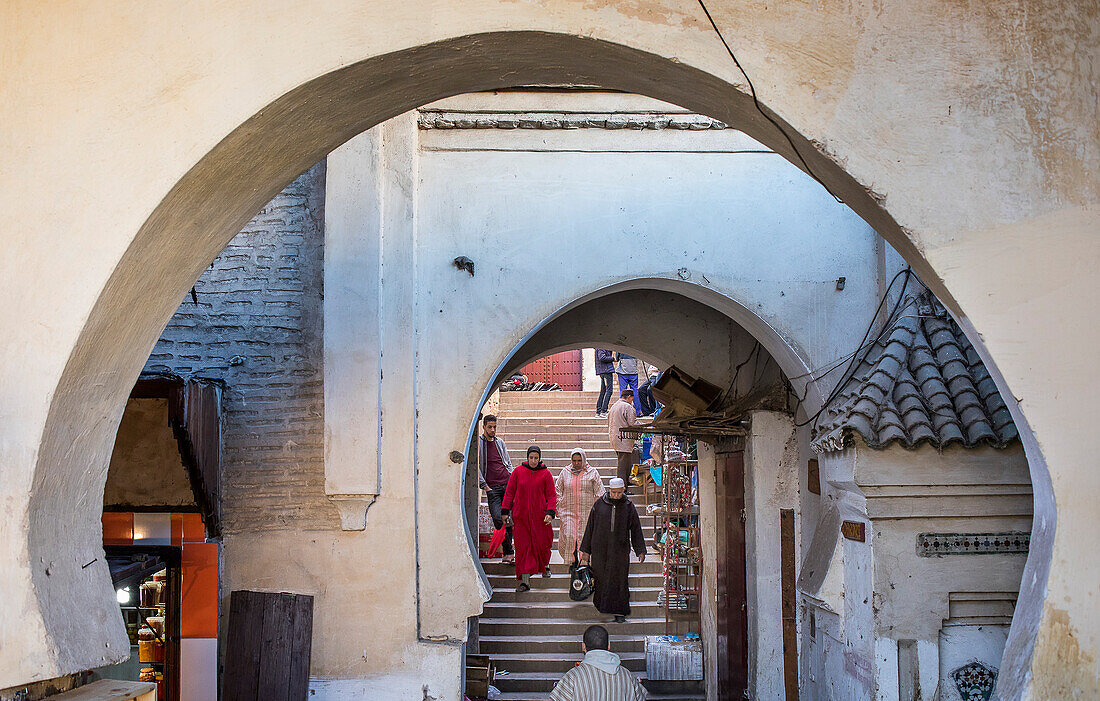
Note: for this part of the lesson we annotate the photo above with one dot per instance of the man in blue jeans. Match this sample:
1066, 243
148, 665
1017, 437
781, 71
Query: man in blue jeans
628, 377
494, 468
649, 404
605, 368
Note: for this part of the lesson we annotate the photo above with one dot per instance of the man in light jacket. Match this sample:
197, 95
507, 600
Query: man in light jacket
493, 470
600, 676
622, 415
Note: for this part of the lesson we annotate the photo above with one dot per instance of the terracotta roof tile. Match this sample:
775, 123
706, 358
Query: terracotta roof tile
922, 383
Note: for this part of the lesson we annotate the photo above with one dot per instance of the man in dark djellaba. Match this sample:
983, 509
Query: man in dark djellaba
613, 530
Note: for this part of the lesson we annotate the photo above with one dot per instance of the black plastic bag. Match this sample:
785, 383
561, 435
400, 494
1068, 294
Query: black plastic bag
580, 582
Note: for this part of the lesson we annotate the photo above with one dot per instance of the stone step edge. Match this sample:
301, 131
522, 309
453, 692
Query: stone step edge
617, 638
560, 656
483, 620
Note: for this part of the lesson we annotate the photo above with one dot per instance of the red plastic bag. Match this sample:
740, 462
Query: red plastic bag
496, 542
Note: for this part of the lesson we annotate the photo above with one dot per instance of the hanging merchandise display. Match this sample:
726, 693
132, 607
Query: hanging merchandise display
157, 624
150, 594
149, 617
678, 534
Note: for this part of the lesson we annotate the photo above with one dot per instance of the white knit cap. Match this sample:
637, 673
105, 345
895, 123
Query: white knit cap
616, 483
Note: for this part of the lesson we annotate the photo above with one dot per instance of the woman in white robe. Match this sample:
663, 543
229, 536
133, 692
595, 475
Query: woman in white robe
579, 486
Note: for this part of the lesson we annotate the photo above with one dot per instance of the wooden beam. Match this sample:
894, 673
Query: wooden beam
790, 624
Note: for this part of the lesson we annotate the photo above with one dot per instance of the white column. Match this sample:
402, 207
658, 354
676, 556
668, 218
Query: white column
352, 327
771, 484
708, 533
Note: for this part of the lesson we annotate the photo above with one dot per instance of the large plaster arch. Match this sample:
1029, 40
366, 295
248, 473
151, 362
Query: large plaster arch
211, 202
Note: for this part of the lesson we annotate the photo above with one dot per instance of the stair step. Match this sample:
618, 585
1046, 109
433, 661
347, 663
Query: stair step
514, 406
597, 444
559, 663
544, 696
568, 611
568, 626
534, 681
507, 595
501, 581
559, 569
583, 425
516, 397
537, 686
506, 584
551, 644
647, 526
563, 450
506, 579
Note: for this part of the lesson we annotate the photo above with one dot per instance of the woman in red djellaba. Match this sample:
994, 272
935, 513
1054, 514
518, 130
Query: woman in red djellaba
530, 503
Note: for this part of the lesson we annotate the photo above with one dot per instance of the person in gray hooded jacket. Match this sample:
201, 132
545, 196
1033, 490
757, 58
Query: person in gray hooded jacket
600, 676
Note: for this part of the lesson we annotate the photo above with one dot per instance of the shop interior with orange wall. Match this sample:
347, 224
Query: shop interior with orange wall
160, 536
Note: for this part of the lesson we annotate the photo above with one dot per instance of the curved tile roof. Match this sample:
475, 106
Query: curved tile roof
922, 382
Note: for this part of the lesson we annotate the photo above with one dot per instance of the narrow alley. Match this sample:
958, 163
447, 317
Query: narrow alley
535, 636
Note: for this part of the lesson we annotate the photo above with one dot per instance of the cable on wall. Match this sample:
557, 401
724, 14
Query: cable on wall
857, 357
760, 108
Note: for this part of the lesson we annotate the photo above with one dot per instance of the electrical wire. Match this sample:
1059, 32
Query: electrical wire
907, 272
837, 362
840, 361
853, 364
737, 370
760, 108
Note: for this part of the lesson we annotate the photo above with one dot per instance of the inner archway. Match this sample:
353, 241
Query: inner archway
661, 323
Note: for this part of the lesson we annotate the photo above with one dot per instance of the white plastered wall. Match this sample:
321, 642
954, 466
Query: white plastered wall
954, 490
975, 129
520, 279
879, 594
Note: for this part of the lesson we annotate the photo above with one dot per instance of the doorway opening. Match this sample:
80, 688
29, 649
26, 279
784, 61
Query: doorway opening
161, 532
677, 636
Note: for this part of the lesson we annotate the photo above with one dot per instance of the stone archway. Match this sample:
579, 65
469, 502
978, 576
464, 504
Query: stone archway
179, 237
706, 334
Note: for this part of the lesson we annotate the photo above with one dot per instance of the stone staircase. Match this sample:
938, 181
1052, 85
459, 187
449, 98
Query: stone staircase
536, 635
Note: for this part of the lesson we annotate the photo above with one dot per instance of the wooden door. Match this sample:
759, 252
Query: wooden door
267, 647
733, 638
563, 368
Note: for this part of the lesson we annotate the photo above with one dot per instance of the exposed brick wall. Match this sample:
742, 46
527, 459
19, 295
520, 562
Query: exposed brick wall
258, 326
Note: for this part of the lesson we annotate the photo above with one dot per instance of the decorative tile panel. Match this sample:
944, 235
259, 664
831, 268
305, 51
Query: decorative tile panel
936, 544
974, 681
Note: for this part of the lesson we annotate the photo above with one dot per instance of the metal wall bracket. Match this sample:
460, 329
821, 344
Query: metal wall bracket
353, 509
